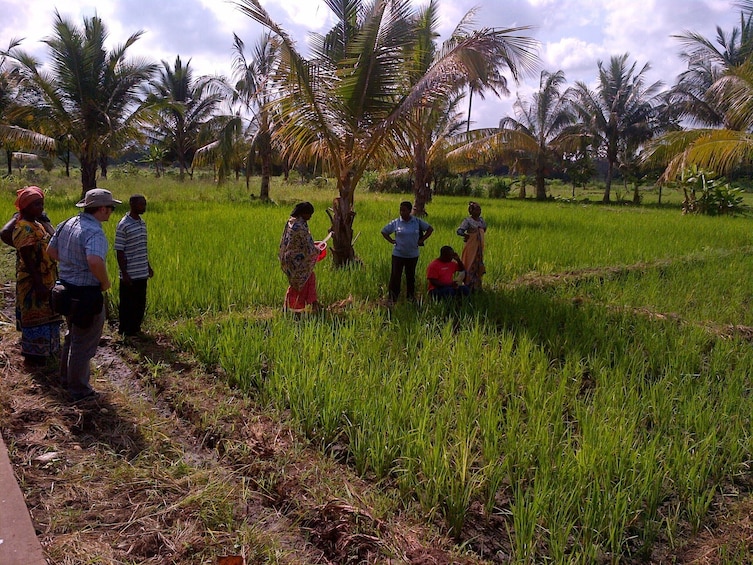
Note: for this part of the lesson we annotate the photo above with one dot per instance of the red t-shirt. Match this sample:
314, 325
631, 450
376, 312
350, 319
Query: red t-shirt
441, 271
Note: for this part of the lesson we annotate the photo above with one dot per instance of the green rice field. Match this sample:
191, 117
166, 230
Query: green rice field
595, 398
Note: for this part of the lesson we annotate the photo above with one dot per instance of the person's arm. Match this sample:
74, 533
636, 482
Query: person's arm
427, 233
99, 270
123, 264
44, 219
387, 232
459, 262
436, 283
6, 234
464, 229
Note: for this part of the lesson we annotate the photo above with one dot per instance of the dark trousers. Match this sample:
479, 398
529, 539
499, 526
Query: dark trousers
398, 265
132, 306
449, 292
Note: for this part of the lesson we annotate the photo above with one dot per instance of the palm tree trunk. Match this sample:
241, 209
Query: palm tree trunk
67, 158
265, 174
608, 182
421, 187
540, 180
9, 156
342, 215
88, 174
265, 153
103, 162
523, 182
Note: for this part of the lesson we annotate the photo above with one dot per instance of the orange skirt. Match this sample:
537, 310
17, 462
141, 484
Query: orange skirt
297, 300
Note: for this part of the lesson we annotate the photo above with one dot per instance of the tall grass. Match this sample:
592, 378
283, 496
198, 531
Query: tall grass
592, 411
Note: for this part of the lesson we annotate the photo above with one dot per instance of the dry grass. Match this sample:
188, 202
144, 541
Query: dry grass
173, 466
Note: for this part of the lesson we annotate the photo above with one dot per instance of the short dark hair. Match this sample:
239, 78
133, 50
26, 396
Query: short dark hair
446, 249
406, 204
136, 197
302, 208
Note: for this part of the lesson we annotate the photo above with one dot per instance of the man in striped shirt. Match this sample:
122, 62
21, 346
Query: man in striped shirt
135, 270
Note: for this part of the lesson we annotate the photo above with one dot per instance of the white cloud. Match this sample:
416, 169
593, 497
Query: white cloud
312, 13
574, 34
572, 55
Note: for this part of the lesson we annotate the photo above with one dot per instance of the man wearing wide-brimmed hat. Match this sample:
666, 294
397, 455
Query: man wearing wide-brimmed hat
80, 247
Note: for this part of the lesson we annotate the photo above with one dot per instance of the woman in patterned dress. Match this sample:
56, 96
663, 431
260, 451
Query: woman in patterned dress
298, 255
35, 276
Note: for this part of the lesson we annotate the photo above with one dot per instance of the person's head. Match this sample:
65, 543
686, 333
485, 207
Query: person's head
446, 254
474, 209
137, 203
30, 201
99, 203
405, 209
303, 210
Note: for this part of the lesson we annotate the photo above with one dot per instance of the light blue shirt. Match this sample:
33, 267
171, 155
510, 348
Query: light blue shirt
74, 240
406, 236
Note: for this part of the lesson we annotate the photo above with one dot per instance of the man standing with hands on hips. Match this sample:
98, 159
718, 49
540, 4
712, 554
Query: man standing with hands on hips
80, 247
135, 269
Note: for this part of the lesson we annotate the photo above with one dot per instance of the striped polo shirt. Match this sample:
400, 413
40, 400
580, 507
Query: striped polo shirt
130, 237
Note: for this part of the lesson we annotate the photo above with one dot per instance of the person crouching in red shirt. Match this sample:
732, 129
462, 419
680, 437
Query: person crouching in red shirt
441, 275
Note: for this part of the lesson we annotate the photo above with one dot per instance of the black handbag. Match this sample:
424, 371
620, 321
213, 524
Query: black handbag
61, 299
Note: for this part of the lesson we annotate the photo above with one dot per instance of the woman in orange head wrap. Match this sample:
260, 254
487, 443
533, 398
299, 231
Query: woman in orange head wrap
35, 276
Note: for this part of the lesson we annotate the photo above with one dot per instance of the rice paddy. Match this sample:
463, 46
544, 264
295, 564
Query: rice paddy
596, 396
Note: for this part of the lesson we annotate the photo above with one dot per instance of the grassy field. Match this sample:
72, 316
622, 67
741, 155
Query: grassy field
596, 398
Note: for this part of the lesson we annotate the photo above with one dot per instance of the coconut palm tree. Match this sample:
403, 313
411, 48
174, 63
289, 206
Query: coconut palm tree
348, 104
430, 133
708, 60
715, 149
619, 115
431, 130
90, 93
532, 139
712, 149
248, 132
255, 89
184, 108
16, 111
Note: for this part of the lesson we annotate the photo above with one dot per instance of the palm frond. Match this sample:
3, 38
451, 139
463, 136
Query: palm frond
25, 139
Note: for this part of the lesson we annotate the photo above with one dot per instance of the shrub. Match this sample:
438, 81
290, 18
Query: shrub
498, 188
717, 199
392, 182
717, 196
456, 186
125, 170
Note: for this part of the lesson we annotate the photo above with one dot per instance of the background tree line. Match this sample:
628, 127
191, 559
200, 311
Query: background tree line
379, 91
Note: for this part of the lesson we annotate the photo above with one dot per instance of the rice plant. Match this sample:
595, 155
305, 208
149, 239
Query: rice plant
596, 396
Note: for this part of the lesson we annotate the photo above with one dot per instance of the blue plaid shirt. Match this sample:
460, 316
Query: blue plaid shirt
74, 240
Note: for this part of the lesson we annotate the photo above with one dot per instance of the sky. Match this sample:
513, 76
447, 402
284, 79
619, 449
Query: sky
573, 35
